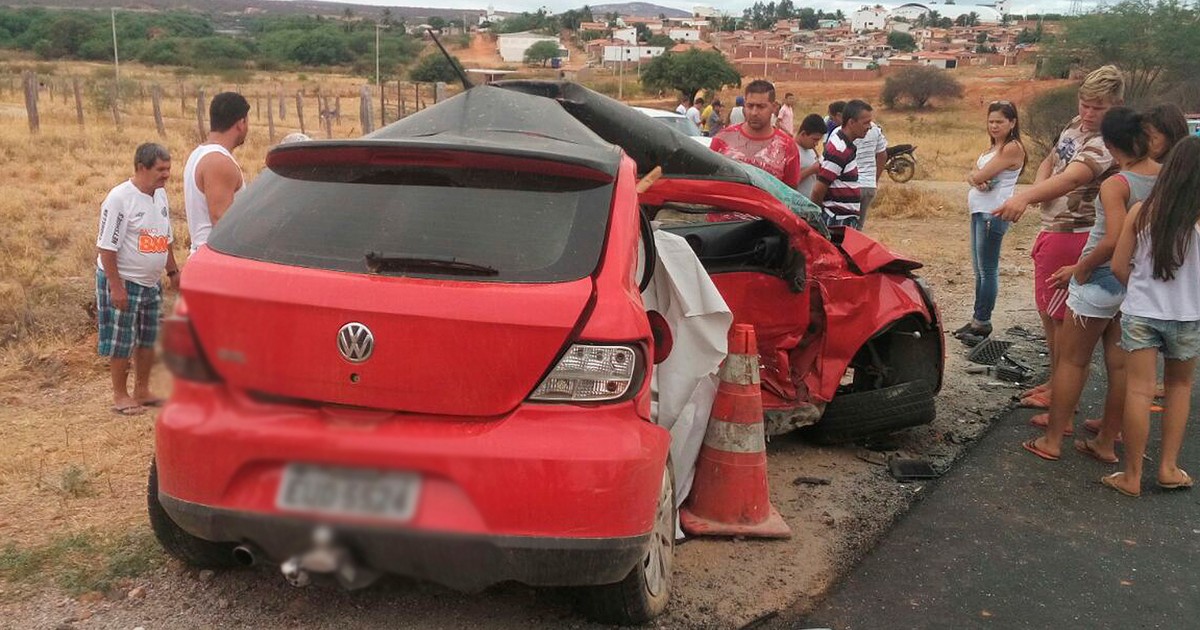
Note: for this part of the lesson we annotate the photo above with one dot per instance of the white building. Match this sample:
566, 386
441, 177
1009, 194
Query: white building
512, 46
704, 12
625, 35
684, 34
632, 53
869, 19
986, 14
857, 63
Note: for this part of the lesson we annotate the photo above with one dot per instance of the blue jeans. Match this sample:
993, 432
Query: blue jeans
987, 233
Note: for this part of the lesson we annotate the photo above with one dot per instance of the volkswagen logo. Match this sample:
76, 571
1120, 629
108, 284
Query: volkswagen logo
355, 342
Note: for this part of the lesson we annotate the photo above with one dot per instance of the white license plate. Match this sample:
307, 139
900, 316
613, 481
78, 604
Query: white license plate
349, 492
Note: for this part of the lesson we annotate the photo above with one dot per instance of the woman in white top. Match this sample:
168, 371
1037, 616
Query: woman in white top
1158, 259
992, 182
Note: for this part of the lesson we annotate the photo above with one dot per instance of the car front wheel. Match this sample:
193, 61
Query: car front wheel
645, 591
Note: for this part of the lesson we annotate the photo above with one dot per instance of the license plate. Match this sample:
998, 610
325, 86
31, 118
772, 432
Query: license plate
349, 492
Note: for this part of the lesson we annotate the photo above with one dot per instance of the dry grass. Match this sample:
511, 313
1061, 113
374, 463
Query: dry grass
70, 468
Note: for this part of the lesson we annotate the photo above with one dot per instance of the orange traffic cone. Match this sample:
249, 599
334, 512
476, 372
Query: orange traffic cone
730, 495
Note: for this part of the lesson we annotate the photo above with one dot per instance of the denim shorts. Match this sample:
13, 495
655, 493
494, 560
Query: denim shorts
1099, 297
1178, 341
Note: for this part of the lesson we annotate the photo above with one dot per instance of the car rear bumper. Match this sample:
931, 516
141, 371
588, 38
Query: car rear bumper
465, 562
548, 494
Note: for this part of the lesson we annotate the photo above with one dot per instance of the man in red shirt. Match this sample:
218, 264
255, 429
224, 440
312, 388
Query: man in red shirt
756, 142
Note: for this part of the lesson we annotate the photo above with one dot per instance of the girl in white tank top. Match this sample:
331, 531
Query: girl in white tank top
1158, 257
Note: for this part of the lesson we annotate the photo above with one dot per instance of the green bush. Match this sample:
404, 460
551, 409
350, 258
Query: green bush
1046, 116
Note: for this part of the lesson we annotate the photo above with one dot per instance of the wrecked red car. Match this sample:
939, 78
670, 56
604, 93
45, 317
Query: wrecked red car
425, 352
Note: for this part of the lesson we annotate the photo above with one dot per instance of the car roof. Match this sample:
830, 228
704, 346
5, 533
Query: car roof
494, 120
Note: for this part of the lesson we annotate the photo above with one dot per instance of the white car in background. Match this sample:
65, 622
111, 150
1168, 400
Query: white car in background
678, 122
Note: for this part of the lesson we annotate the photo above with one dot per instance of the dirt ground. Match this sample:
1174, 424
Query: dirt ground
718, 583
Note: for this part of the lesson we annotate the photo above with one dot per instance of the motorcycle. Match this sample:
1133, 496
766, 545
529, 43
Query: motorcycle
901, 164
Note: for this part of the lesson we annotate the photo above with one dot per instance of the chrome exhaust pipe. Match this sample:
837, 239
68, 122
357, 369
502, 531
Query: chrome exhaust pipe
245, 556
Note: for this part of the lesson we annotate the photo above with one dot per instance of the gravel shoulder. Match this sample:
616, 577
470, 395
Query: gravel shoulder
718, 583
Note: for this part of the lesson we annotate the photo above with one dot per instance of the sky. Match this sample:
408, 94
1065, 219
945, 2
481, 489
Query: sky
556, 6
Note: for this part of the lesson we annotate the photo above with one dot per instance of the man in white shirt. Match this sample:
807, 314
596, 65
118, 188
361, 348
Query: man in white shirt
737, 115
872, 155
682, 108
212, 176
133, 249
693, 112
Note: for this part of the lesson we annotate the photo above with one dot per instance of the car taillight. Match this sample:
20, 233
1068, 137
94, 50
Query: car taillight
182, 353
589, 373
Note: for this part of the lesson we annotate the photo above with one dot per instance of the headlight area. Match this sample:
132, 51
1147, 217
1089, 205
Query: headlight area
593, 373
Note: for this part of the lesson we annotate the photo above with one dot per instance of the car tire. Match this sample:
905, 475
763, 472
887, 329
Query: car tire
193, 551
645, 592
859, 415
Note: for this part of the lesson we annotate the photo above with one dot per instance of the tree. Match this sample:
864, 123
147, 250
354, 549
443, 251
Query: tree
919, 85
968, 19
664, 41
689, 72
901, 41
1148, 40
541, 52
436, 23
1046, 115
435, 67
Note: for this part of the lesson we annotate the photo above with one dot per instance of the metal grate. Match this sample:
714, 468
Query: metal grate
989, 352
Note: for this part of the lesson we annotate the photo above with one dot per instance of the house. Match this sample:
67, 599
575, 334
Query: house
858, 63
512, 46
631, 53
868, 19
625, 34
684, 34
937, 60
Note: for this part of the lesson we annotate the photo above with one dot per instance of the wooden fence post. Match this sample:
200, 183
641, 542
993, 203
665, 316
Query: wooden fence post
271, 117
400, 97
382, 104
337, 109
365, 115
417, 96
200, 113
257, 107
156, 96
300, 110
182, 100
30, 83
78, 101
282, 105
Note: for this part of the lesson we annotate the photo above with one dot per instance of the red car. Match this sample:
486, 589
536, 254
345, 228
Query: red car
425, 352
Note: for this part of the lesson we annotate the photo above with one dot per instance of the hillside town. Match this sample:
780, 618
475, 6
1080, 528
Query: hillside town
865, 44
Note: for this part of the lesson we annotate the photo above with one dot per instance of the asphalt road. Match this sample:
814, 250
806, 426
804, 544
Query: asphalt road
1006, 540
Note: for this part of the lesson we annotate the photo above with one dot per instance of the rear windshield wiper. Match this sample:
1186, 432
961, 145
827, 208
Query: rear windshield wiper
385, 263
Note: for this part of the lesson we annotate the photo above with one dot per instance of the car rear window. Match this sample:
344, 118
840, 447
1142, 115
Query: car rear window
527, 226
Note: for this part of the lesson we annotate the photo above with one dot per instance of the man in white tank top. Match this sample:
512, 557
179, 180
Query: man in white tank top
212, 176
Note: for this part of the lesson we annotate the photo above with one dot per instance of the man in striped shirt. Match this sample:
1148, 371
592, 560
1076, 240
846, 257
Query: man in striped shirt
837, 189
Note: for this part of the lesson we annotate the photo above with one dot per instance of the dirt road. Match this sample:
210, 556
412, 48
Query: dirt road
718, 583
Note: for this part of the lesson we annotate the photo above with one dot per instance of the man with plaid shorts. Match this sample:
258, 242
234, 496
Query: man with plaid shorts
134, 247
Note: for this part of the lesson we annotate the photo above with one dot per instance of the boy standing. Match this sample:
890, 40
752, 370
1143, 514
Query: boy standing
812, 129
1067, 184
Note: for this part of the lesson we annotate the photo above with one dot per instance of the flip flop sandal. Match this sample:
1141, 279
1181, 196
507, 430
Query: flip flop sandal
1093, 426
1178, 485
1111, 482
152, 402
1085, 447
1032, 447
129, 410
1042, 421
